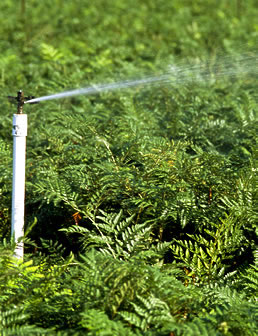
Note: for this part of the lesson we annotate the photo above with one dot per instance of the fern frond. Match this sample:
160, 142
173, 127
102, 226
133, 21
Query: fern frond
14, 322
119, 237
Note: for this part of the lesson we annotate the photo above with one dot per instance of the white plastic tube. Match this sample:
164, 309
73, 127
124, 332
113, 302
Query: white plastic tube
19, 133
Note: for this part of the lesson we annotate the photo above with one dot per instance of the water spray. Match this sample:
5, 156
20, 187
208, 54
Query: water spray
98, 88
178, 74
19, 132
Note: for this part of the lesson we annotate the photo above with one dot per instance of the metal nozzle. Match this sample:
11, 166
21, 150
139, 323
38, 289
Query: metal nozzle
21, 100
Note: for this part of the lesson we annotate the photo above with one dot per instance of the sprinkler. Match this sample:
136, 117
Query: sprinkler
19, 132
21, 100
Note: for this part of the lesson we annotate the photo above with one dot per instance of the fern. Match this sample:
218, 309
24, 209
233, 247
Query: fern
14, 322
121, 238
149, 312
248, 280
205, 255
96, 322
230, 311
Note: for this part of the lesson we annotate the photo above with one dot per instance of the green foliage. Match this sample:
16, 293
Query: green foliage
123, 239
98, 323
14, 322
101, 295
208, 254
141, 203
5, 189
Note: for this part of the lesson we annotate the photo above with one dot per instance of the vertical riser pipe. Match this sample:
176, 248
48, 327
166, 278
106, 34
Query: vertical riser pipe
19, 133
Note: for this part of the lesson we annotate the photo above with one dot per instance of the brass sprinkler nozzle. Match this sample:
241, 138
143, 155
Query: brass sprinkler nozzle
21, 100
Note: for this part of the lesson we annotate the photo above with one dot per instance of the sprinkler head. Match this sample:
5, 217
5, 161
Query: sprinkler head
21, 100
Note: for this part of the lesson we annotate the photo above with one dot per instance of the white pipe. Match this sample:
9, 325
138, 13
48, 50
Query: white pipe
19, 133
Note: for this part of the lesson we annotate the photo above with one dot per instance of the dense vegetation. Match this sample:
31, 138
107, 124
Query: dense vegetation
141, 203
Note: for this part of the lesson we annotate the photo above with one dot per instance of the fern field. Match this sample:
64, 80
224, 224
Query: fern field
141, 204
